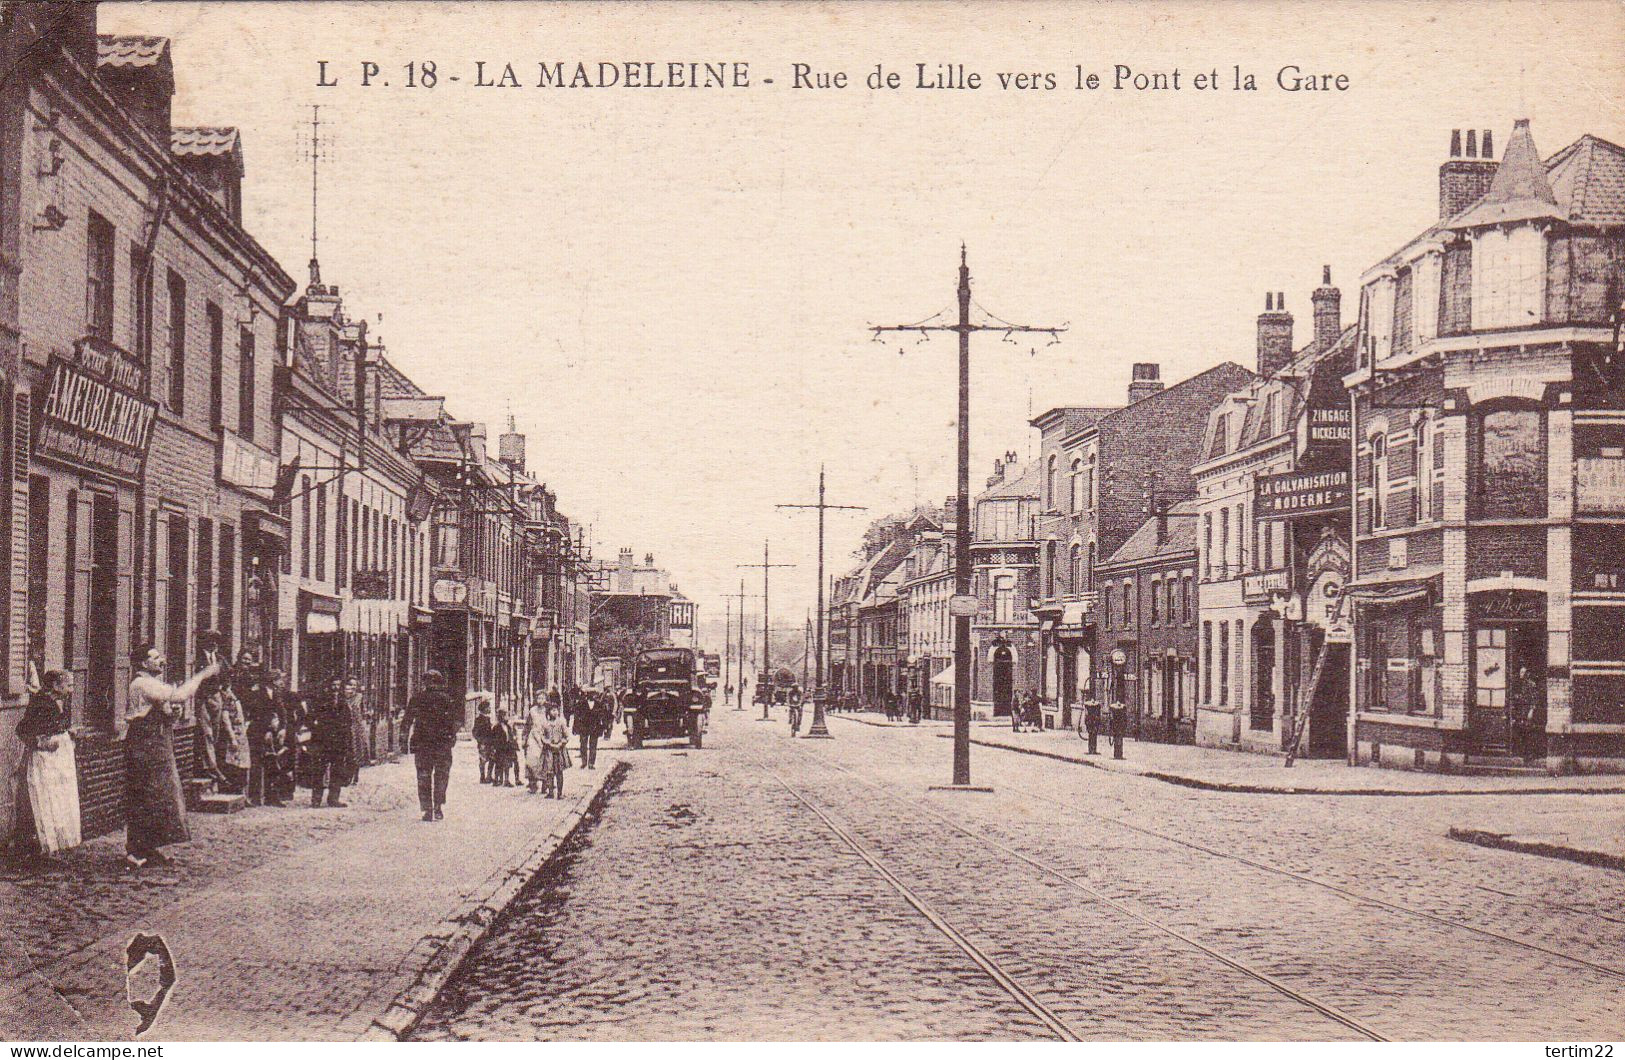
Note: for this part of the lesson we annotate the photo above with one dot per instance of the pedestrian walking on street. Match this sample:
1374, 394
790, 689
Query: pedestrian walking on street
483, 742
433, 719
586, 725
155, 808
50, 775
537, 765
332, 746
795, 712
555, 740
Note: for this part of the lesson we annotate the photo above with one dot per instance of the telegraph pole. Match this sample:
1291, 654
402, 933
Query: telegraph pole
727, 638
963, 606
767, 661
820, 729
739, 687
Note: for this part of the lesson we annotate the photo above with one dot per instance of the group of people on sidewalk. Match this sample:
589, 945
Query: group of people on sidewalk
542, 737
252, 736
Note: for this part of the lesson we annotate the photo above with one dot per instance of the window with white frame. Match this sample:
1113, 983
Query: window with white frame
1509, 270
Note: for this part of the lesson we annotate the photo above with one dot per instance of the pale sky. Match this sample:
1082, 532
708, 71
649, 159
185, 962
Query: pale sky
670, 288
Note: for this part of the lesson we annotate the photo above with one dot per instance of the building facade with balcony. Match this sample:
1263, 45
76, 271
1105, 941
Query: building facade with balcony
142, 436
1489, 426
1272, 492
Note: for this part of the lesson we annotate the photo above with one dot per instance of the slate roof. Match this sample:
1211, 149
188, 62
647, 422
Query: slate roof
1142, 544
1588, 177
131, 52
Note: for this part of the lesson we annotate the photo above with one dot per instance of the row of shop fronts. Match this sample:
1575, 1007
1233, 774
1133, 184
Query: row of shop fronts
189, 450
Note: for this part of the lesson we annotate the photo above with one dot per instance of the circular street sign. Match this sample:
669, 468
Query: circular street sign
1119, 657
963, 606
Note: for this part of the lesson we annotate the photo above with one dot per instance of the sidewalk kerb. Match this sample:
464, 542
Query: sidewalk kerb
464, 929
1268, 789
1495, 840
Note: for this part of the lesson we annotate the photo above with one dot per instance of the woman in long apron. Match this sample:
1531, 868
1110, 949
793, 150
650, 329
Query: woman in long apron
50, 776
154, 805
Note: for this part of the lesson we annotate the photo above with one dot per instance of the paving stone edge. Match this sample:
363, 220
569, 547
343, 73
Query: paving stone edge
446, 946
1267, 789
1496, 840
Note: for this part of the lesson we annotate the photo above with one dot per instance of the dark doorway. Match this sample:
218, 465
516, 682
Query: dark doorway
102, 644
1004, 674
1328, 699
1262, 709
1509, 689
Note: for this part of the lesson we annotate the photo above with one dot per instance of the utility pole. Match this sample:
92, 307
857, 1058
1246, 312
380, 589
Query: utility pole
767, 661
806, 653
739, 686
963, 606
727, 639
820, 729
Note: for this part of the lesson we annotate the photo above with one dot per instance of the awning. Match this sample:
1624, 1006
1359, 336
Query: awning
267, 528
1046, 625
320, 603
1072, 615
317, 622
1405, 591
945, 678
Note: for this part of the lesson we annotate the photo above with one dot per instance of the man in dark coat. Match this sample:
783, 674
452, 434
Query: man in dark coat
257, 699
332, 751
433, 719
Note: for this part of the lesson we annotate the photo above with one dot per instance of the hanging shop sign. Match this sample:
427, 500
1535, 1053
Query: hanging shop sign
247, 466
1300, 494
92, 420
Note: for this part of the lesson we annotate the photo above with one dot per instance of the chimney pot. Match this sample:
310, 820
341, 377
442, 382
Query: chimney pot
1485, 150
1328, 303
1465, 178
1326, 275
1472, 143
1274, 335
1280, 302
1455, 143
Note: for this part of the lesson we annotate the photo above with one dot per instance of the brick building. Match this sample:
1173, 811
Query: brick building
149, 323
1147, 611
1004, 578
353, 598
1489, 424
927, 583
1273, 513
1118, 466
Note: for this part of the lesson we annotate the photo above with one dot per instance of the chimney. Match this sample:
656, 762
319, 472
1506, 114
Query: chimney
1274, 335
998, 473
648, 559
1144, 381
1466, 176
1328, 302
1162, 524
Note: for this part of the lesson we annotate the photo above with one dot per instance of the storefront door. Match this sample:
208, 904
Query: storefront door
1508, 686
1003, 681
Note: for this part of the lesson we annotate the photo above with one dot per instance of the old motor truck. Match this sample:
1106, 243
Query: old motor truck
667, 699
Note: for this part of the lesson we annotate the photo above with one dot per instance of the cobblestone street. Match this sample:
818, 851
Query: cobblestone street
764, 887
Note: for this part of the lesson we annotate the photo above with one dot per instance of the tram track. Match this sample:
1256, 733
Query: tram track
1357, 897
1055, 1022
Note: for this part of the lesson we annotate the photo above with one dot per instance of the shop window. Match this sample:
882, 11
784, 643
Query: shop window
1599, 468
99, 278
1512, 463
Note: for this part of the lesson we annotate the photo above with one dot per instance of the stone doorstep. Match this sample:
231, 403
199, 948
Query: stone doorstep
1533, 844
442, 953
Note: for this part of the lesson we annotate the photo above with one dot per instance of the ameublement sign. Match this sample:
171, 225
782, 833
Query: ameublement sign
94, 423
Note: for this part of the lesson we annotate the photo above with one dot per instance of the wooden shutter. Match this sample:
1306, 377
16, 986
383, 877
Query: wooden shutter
124, 632
80, 505
17, 455
160, 581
